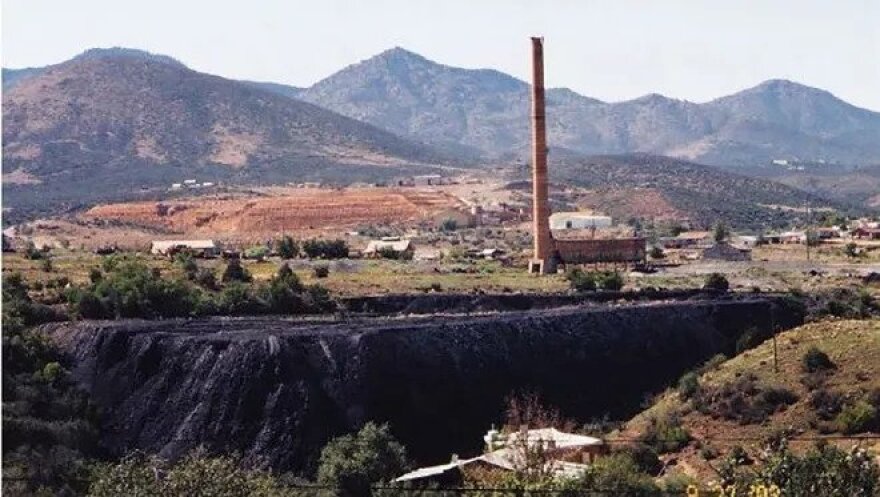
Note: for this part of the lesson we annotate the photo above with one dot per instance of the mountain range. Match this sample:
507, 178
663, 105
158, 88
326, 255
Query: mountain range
108, 123
113, 122
488, 110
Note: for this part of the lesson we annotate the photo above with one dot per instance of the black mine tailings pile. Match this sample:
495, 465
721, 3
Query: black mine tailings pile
276, 390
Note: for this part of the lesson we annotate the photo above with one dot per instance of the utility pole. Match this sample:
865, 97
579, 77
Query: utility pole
774, 329
807, 231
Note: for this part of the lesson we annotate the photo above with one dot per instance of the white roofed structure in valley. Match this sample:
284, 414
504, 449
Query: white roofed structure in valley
168, 247
568, 454
578, 220
400, 246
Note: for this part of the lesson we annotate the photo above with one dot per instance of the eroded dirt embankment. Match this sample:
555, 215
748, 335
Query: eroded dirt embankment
276, 390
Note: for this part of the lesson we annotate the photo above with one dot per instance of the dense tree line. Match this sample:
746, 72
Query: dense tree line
128, 288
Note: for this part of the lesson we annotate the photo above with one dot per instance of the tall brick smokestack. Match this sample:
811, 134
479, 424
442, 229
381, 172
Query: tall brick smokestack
542, 260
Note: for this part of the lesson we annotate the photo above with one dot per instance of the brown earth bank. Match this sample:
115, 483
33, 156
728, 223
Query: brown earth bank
275, 390
304, 210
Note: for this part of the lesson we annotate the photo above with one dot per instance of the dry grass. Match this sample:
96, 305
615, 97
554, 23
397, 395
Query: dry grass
854, 346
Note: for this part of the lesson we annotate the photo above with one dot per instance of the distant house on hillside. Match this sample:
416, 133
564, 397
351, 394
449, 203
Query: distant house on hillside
726, 252
687, 239
826, 233
578, 220
199, 248
403, 249
567, 456
866, 233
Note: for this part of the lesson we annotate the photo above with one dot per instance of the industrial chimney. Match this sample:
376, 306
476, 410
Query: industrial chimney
542, 261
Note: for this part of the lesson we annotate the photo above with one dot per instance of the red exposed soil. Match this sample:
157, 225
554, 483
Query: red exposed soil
302, 211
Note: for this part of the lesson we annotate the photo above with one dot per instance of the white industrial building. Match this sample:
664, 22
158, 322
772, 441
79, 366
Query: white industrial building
578, 220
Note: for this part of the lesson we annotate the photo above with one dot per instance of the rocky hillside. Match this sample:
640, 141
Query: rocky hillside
111, 122
742, 402
650, 186
406, 93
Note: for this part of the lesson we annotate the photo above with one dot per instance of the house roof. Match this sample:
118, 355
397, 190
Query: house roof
193, 244
504, 458
395, 245
692, 235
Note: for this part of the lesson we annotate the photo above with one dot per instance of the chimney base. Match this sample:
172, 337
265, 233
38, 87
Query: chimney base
540, 266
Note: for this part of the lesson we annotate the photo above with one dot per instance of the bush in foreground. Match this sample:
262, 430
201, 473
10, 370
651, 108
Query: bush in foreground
716, 282
351, 463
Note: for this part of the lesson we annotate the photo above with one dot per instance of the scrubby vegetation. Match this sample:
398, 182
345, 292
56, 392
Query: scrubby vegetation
129, 288
585, 281
716, 282
325, 249
664, 433
49, 427
744, 400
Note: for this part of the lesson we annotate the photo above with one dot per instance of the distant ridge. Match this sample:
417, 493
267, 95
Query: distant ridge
487, 110
134, 121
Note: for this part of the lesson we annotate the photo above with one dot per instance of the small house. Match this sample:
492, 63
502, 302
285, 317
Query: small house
727, 252
687, 239
567, 456
864, 233
826, 233
199, 248
578, 220
402, 249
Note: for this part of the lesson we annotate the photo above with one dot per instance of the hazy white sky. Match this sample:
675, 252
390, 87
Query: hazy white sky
612, 50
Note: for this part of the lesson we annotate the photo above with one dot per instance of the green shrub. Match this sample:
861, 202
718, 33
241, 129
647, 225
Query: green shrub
645, 458
825, 471
258, 252
857, 417
611, 281
716, 282
743, 400
714, 363
206, 279
132, 290
688, 385
618, 474
826, 404
236, 272
325, 249
322, 271
815, 360
237, 298
708, 452
317, 299
32, 253
665, 433
657, 253
738, 456
581, 280
287, 247
851, 250
284, 293
351, 463
448, 225
185, 261
195, 474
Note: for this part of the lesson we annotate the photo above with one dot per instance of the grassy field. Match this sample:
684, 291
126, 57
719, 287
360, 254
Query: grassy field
853, 347
376, 277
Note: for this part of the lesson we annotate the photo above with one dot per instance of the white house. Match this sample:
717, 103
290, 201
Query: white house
204, 248
578, 220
